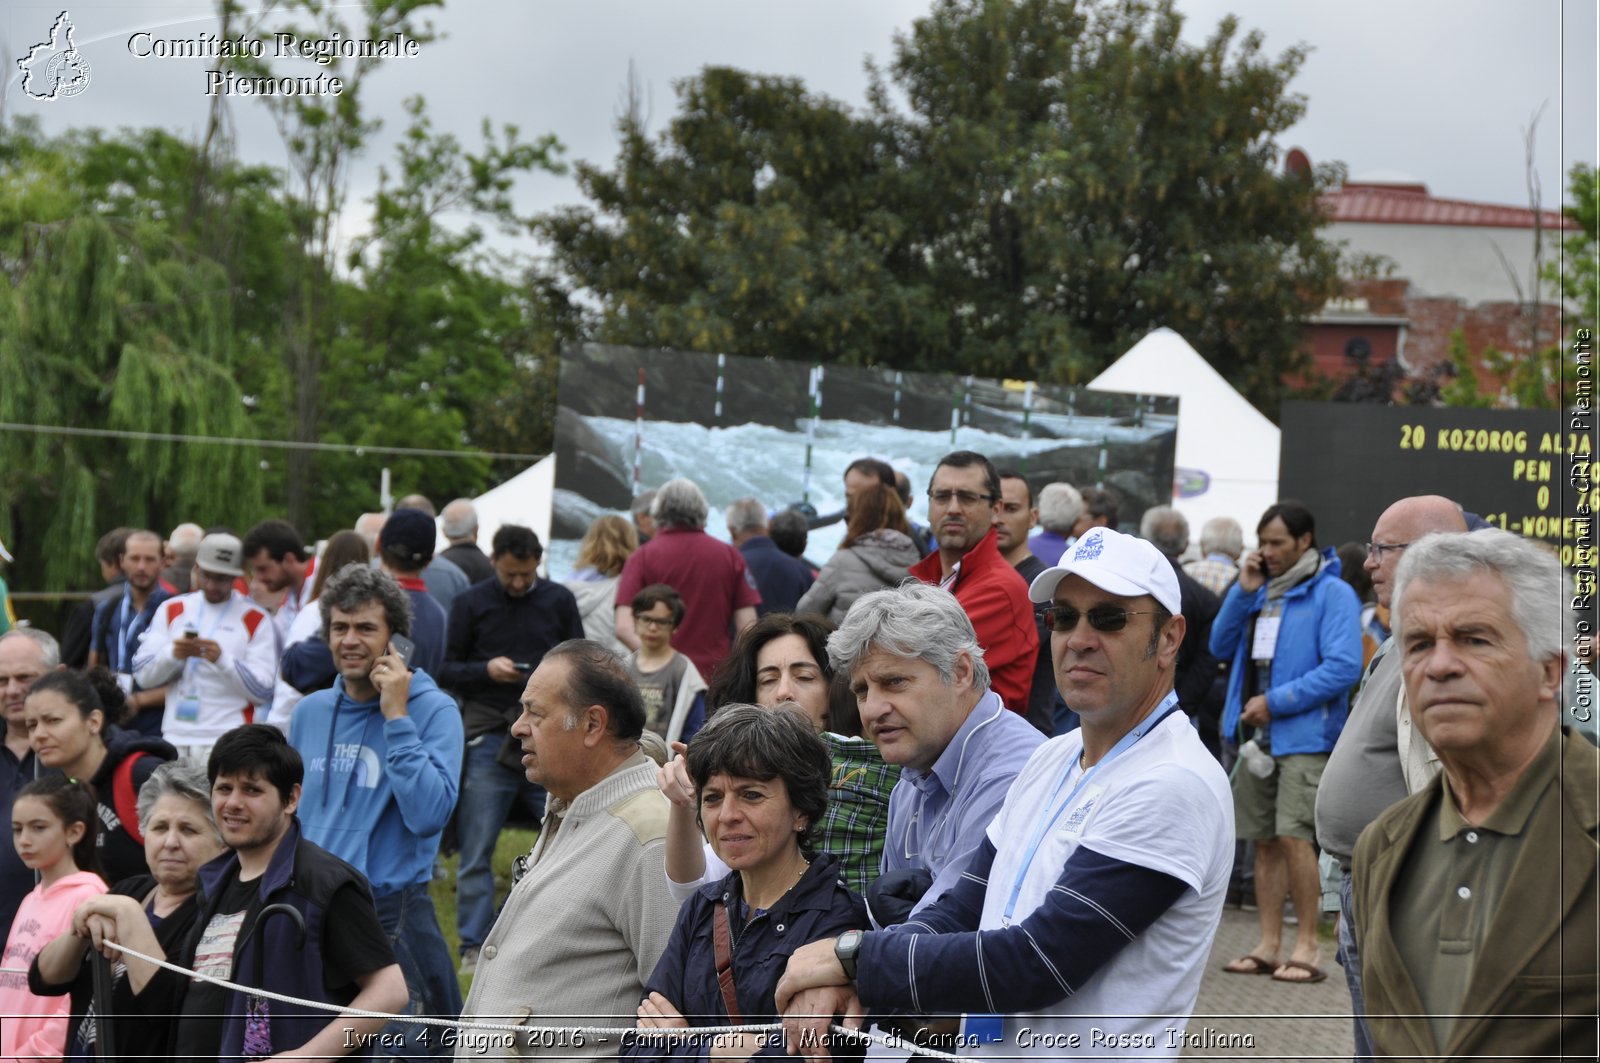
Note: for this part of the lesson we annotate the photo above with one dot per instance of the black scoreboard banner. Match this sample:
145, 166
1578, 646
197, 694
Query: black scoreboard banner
1528, 471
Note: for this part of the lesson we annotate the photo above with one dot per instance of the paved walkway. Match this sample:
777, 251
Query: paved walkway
1275, 1020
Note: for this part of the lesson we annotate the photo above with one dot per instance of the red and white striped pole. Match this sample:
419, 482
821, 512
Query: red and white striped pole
638, 430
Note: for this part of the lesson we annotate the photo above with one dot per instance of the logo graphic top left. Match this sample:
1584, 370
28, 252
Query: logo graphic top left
55, 69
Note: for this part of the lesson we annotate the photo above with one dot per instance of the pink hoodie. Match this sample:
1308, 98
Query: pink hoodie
36, 1027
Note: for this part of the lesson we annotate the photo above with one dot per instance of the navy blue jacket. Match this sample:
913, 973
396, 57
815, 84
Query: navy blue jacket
306, 877
781, 579
486, 622
820, 906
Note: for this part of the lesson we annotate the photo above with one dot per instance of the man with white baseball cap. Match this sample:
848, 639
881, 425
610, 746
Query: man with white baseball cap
213, 649
1092, 905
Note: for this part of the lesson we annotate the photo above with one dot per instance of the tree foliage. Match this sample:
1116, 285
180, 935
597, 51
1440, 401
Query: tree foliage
109, 319
1062, 178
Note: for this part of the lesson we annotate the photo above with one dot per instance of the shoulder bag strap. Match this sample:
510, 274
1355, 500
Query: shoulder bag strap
722, 938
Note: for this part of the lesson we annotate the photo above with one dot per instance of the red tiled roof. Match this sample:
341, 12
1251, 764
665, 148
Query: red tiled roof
1411, 205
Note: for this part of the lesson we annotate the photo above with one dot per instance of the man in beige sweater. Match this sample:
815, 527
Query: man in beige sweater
589, 912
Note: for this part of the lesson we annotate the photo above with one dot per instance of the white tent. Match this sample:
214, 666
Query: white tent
525, 499
1227, 452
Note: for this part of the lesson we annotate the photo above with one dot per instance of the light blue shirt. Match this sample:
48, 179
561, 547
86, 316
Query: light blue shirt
937, 817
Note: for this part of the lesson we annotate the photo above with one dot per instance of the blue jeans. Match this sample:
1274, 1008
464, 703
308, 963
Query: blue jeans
408, 918
488, 790
1350, 959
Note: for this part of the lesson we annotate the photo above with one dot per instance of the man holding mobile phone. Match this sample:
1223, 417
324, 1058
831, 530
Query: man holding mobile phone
382, 750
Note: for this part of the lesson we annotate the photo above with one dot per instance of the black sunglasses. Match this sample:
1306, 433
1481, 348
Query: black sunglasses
1063, 619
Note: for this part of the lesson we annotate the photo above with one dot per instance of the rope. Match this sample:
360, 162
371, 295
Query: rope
358, 449
887, 1040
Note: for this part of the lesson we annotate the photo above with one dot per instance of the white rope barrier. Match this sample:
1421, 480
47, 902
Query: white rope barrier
886, 1040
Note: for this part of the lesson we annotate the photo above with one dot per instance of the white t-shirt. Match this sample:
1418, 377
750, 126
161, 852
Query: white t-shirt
1164, 803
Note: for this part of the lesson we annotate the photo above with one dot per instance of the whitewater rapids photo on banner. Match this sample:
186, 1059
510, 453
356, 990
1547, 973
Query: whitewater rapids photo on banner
783, 432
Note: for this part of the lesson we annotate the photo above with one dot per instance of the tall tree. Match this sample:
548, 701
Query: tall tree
1063, 177
109, 321
322, 135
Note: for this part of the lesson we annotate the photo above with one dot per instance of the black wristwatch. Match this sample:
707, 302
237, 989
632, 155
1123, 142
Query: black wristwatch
847, 948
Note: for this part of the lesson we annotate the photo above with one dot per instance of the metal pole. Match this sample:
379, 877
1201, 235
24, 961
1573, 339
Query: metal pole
385, 497
1027, 416
638, 430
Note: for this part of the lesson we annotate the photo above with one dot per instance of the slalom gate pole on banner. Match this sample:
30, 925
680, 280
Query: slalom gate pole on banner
638, 430
814, 400
1027, 418
897, 381
722, 365
1105, 445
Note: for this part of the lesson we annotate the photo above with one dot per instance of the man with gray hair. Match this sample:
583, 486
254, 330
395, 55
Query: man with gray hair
1477, 899
643, 522
459, 523
781, 579
1365, 774
26, 653
719, 594
184, 544
1060, 506
1221, 543
922, 688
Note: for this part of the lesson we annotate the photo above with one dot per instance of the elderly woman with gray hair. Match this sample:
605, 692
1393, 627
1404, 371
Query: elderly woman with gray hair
152, 913
761, 785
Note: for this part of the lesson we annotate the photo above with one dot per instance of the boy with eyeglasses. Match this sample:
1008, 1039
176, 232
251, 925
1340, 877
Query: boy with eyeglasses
674, 692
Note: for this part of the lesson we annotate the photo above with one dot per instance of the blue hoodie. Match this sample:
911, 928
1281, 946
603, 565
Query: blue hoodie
378, 793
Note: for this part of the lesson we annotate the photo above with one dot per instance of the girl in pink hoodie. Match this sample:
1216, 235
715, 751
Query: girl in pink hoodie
52, 826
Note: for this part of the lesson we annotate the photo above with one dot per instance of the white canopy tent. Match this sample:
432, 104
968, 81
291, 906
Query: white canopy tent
525, 499
1227, 452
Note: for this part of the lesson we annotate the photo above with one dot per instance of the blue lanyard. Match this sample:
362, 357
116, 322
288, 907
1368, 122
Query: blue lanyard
120, 664
1168, 706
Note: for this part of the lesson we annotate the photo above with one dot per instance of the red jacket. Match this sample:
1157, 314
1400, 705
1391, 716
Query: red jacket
995, 598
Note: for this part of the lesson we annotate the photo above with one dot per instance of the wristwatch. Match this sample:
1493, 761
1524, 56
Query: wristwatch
846, 948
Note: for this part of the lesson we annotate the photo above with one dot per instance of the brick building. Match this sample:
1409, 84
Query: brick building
1456, 265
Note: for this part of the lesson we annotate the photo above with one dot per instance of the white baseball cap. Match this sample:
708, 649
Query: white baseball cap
1119, 564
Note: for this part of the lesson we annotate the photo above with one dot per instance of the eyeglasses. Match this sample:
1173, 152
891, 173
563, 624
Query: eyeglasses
966, 498
654, 621
1376, 550
1063, 619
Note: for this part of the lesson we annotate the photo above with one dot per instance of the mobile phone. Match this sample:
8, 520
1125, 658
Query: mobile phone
404, 648
190, 633
522, 666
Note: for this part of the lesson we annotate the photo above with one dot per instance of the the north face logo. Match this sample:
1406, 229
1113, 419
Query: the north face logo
1089, 547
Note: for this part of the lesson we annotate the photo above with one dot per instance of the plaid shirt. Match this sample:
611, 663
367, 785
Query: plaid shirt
1216, 573
857, 818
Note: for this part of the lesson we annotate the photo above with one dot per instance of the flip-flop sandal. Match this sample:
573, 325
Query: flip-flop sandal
1316, 974
1256, 965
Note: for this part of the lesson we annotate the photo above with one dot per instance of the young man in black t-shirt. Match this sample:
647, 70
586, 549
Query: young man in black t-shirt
255, 787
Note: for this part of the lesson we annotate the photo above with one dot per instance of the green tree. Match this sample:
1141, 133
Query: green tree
322, 135
108, 320
438, 328
1064, 177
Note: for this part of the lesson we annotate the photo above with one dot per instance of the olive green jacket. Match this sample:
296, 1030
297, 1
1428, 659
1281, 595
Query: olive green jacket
1540, 960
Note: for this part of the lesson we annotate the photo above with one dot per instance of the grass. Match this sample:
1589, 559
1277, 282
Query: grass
514, 842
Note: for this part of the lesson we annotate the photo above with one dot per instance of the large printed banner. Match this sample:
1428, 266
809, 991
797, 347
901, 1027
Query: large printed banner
1528, 471
783, 432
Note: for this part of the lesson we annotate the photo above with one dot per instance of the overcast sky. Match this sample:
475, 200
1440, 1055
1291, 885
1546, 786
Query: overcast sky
1436, 90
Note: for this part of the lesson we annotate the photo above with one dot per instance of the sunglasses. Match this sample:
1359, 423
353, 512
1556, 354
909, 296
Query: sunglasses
1063, 619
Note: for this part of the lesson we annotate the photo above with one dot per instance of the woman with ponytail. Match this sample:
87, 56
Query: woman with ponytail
68, 715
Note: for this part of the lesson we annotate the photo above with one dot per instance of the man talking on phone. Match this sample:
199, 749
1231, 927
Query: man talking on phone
499, 631
382, 751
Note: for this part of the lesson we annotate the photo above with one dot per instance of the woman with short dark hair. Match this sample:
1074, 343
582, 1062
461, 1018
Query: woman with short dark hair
761, 785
